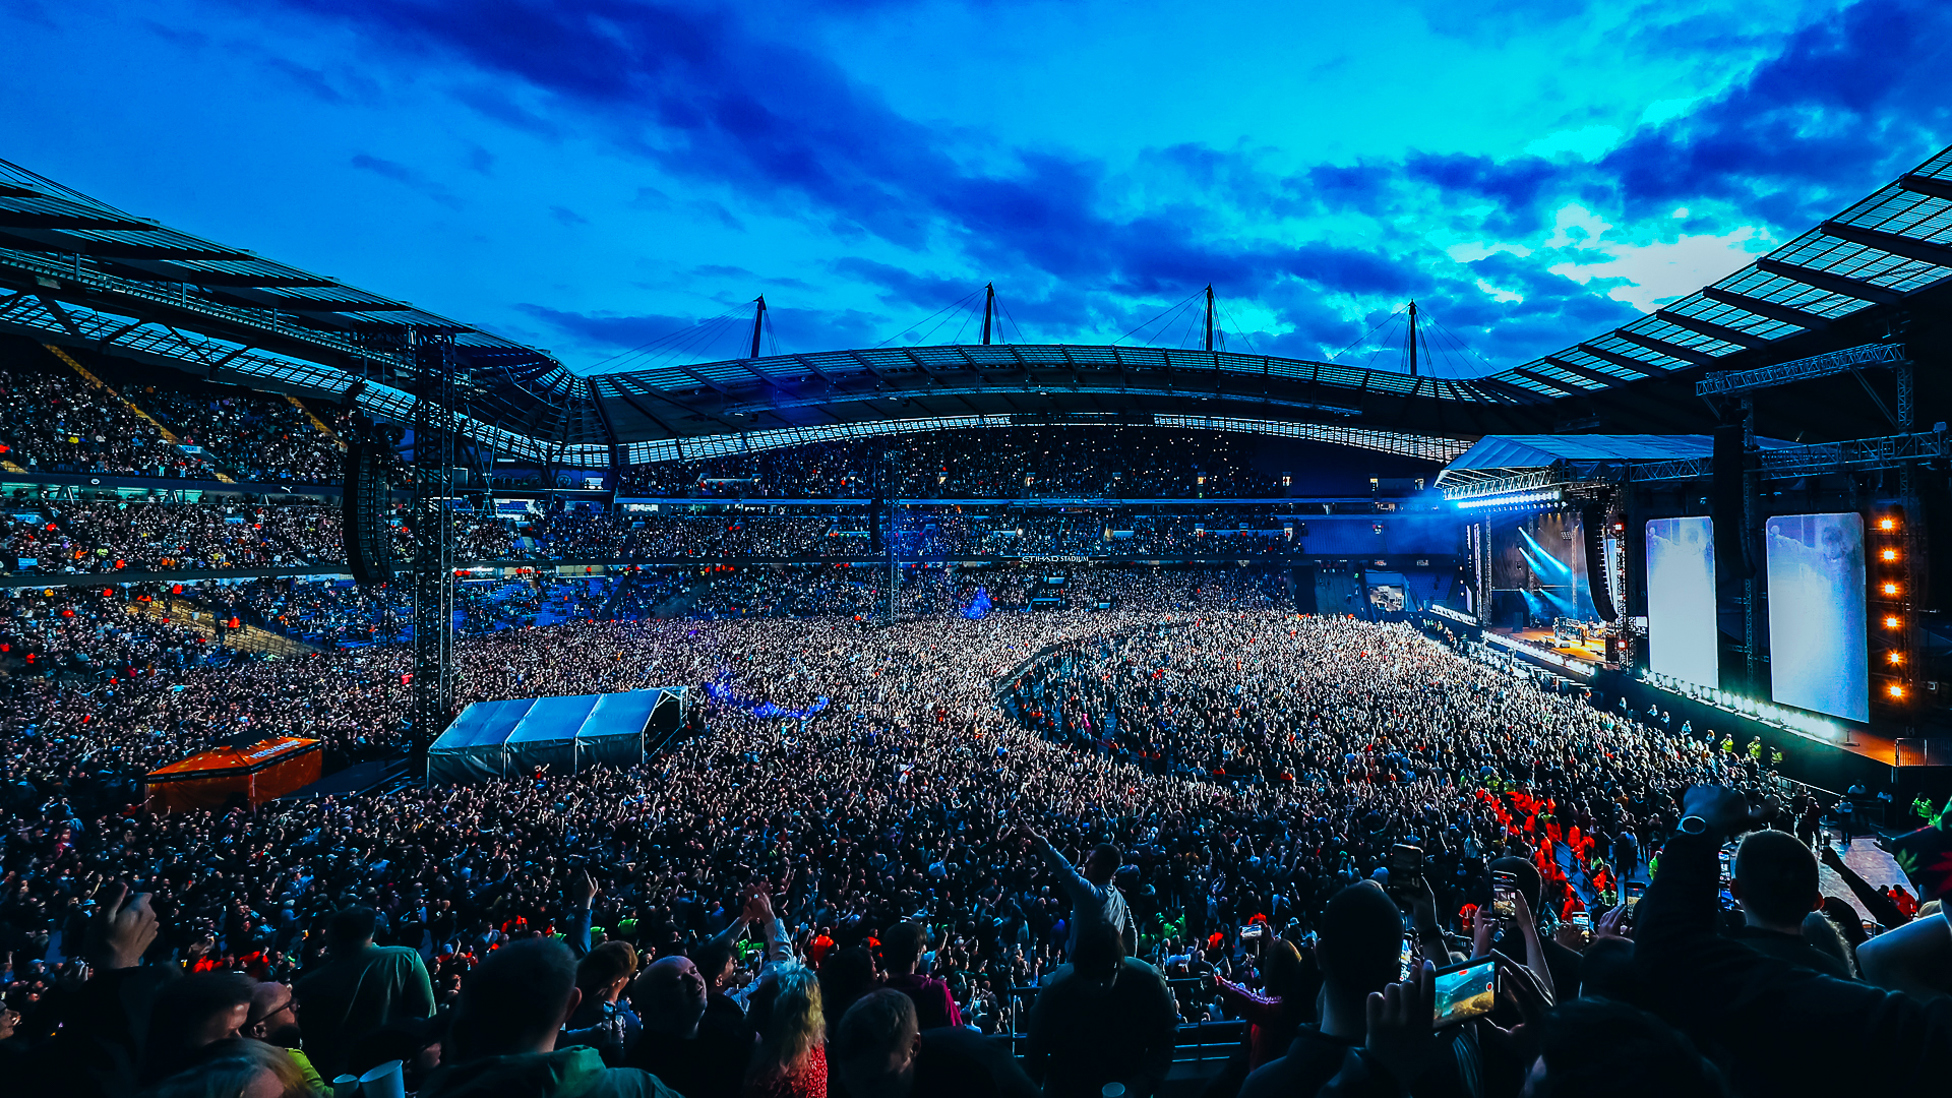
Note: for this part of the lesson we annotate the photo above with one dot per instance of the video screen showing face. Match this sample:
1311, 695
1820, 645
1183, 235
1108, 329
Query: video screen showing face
1682, 633
1818, 653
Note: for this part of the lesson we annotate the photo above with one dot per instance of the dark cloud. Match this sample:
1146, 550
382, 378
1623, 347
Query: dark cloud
406, 176
567, 216
651, 340
187, 37
1847, 104
653, 337
309, 79
710, 100
393, 170
901, 286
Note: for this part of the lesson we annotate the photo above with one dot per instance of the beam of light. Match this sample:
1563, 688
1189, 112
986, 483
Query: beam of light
1563, 605
1540, 568
1561, 568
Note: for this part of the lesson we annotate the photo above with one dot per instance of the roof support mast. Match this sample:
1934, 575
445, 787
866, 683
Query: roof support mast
758, 323
1209, 316
1413, 337
989, 310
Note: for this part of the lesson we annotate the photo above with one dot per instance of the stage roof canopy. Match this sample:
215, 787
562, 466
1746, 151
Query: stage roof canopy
1504, 456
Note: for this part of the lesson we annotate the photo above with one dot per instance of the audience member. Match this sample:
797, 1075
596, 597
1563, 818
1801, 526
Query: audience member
1111, 1019
359, 987
503, 1038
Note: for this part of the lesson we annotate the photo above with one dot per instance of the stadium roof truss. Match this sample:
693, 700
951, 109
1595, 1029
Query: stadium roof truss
1426, 447
76, 271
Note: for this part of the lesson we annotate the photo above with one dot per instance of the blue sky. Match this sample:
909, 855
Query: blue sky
592, 175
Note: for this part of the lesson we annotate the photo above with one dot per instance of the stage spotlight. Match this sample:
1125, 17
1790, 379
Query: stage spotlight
1895, 657
1895, 690
1890, 622
1890, 554
1887, 524
1890, 588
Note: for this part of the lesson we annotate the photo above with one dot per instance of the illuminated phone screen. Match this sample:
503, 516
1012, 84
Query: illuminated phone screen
1466, 992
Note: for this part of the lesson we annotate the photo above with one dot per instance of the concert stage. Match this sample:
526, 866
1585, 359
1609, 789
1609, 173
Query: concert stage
568, 734
1590, 649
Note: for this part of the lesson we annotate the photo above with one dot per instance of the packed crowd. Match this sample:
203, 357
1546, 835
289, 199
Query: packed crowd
53, 421
861, 805
997, 462
99, 536
1161, 801
151, 535
256, 437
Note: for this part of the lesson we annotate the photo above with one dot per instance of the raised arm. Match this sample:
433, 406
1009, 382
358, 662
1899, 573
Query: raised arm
1875, 902
1765, 1011
1079, 889
579, 892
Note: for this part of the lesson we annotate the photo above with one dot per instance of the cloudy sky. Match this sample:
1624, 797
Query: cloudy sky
592, 176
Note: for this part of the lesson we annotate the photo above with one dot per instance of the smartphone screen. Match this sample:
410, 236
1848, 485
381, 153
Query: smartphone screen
1406, 861
1633, 893
1465, 992
1406, 957
1504, 886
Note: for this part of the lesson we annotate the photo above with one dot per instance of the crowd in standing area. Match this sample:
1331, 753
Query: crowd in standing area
971, 851
860, 780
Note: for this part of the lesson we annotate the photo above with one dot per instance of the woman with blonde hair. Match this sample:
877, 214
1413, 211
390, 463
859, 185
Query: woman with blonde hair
237, 1068
791, 1060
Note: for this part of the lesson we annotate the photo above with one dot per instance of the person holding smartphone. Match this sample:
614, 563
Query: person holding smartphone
1357, 944
1784, 1029
1556, 967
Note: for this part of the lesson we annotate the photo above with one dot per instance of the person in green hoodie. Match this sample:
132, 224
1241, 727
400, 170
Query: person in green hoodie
511, 1011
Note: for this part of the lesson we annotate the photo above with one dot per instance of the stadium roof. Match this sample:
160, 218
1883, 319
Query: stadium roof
1887, 246
74, 270
78, 271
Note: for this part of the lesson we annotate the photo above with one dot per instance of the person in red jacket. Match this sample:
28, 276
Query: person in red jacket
822, 944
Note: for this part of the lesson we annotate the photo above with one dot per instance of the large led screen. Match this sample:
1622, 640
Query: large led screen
1681, 628
1818, 656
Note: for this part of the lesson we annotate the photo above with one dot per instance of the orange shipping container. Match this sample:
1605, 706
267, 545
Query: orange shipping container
258, 773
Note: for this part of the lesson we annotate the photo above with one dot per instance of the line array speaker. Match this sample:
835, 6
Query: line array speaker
369, 543
1599, 578
1732, 553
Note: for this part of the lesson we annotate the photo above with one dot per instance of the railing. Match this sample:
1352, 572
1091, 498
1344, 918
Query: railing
1194, 1043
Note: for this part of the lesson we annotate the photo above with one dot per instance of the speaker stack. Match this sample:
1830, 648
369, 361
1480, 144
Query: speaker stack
1733, 555
1599, 578
369, 542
